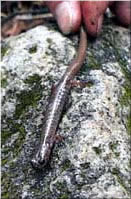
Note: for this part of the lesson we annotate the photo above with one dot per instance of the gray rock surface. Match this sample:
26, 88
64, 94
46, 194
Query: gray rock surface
93, 159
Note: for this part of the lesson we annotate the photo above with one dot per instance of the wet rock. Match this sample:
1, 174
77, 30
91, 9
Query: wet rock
93, 160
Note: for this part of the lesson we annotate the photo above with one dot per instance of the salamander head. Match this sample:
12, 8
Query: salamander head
38, 162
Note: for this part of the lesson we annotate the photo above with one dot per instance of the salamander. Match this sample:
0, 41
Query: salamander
56, 104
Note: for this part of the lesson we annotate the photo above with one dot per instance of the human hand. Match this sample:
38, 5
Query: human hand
70, 14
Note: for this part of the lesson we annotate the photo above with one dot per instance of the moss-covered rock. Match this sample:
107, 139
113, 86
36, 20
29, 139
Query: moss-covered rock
93, 161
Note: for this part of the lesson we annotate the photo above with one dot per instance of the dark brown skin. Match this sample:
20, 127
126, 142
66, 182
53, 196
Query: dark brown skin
56, 105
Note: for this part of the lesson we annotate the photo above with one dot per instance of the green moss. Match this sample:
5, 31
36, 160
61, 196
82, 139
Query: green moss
3, 82
4, 50
128, 124
33, 49
85, 165
93, 63
33, 79
97, 150
64, 196
5, 195
49, 40
88, 84
4, 161
129, 164
121, 58
121, 182
18, 144
116, 172
9, 189
4, 135
66, 164
117, 154
113, 145
28, 97
62, 187
6, 151
123, 62
24, 100
125, 100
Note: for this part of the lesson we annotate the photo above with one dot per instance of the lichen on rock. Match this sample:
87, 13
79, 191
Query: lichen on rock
93, 159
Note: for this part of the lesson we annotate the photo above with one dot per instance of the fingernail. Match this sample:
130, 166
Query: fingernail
68, 17
64, 17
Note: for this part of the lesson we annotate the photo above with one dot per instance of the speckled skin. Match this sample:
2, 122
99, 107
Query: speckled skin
56, 105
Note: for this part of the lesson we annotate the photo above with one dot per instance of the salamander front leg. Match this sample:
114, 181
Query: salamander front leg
81, 83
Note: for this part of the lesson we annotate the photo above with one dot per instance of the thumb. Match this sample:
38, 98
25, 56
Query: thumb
67, 14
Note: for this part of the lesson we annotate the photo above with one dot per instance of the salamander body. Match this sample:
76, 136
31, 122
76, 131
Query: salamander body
56, 105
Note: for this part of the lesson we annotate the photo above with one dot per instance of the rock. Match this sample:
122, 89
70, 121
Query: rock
93, 160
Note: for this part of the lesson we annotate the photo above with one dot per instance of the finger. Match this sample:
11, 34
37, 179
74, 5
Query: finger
92, 13
122, 10
67, 14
